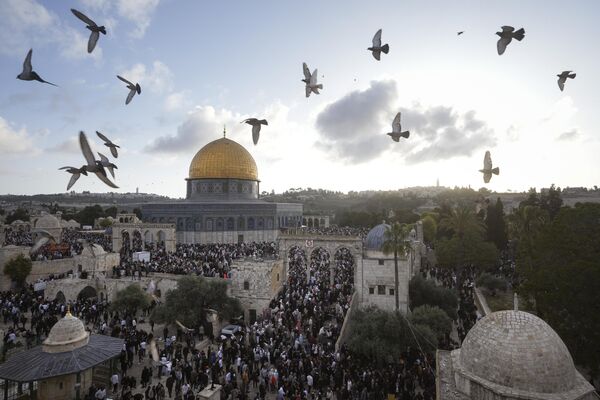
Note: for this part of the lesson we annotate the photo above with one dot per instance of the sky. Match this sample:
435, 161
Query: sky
203, 65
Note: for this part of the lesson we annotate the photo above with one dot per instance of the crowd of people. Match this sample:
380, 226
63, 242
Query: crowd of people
17, 237
334, 230
211, 260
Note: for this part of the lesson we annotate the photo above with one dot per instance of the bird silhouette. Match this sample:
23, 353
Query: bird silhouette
562, 78
43, 237
396, 132
506, 36
312, 86
76, 173
377, 48
107, 164
255, 123
459, 33
28, 74
93, 27
133, 89
113, 147
487, 168
93, 165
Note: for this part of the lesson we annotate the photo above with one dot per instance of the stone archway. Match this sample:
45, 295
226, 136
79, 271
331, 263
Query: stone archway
87, 292
137, 243
126, 242
60, 297
148, 239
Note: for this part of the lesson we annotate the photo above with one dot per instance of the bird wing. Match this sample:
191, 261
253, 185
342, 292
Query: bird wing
106, 180
487, 161
255, 133
561, 83
487, 176
101, 136
313, 77
67, 168
93, 40
39, 244
86, 150
507, 28
308, 90
27, 63
72, 181
113, 151
124, 80
376, 54
83, 17
306, 71
502, 43
396, 124
103, 159
130, 96
377, 39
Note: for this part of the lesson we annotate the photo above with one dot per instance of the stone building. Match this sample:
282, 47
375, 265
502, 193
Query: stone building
511, 355
222, 204
378, 269
64, 367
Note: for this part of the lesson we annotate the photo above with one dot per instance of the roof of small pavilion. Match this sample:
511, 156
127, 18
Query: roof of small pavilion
35, 364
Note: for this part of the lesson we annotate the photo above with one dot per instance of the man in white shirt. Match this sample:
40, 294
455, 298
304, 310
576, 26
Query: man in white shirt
115, 382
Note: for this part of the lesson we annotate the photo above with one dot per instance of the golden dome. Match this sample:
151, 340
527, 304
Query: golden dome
225, 159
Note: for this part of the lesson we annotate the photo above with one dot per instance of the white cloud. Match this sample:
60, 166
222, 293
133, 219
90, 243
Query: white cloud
14, 141
157, 78
177, 101
139, 12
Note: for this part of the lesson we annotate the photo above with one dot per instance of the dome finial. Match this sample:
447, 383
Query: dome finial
224, 130
68, 314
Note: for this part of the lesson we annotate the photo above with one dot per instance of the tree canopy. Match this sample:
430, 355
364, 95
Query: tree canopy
18, 269
130, 300
433, 317
19, 213
425, 292
193, 296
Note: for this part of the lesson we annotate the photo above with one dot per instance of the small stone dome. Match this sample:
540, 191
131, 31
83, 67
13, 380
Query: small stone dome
376, 237
47, 221
518, 350
66, 335
98, 250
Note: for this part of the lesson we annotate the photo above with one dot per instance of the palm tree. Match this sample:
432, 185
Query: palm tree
462, 222
396, 241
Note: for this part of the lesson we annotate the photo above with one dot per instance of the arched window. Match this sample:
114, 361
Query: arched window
241, 224
220, 225
209, 224
250, 223
230, 224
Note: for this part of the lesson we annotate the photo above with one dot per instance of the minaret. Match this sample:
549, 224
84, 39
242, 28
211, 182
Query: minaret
224, 131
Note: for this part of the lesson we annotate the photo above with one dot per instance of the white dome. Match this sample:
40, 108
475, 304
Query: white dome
47, 222
518, 350
66, 335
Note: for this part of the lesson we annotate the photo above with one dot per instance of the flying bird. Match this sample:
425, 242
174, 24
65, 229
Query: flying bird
92, 26
132, 89
377, 47
256, 123
487, 168
92, 164
312, 86
28, 74
562, 78
113, 147
396, 132
43, 237
460, 33
107, 164
306, 72
76, 173
507, 35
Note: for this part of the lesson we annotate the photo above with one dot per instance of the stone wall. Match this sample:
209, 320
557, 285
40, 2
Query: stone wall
265, 235
378, 277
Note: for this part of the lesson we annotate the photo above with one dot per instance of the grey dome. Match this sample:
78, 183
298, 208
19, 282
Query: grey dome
376, 237
520, 351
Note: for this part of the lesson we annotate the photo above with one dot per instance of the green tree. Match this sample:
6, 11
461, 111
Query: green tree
89, 214
18, 269
138, 213
429, 229
433, 317
396, 241
531, 200
565, 280
496, 225
425, 292
189, 302
130, 300
491, 282
551, 201
111, 211
381, 336
19, 213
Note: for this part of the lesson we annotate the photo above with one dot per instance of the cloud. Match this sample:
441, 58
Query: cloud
177, 100
14, 141
569, 135
352, 128
139, 12
201, 126
158, 78
27, 23
347, 126
439, 133
69, 146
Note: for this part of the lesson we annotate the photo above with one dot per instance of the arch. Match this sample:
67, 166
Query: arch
148, 237
87, 292
241, 223
209, 224
304, 221
137, 244
126, 241
250, 223
220, 224
260, 223
161, 237
230, 224
345, 264
316, 223
310, 223
322, 222
270, 223
60, 297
